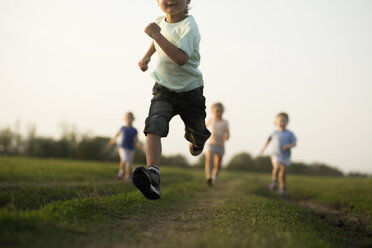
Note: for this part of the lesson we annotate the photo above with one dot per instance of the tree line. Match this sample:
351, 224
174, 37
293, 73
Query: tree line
88, 147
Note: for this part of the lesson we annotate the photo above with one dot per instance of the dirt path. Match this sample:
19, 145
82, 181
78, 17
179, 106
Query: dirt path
201, 206
335, 215
181, 223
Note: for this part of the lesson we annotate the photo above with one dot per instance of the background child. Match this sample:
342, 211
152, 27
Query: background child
283, 141
178, 89
215, 148
126, 149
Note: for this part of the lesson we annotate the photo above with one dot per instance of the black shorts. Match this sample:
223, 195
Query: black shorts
189, 105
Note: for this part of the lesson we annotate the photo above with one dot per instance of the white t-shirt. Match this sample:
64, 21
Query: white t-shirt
184, 35
218, 130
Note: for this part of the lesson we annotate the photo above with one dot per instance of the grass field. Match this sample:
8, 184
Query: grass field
63, 203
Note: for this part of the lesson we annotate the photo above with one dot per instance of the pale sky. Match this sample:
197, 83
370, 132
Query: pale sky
75, 62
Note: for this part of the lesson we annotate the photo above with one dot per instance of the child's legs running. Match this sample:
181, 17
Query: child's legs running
127, 168
122, 159
192, 112
196, 132
153, 149
121, 166
275, 171
157, 124
217, 165
282, 176
208, 163
128, 158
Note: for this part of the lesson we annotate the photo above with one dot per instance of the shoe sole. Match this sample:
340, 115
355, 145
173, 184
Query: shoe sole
142, 180
195, 152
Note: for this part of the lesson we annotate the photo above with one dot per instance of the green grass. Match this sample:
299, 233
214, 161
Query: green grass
348, 192
62, 203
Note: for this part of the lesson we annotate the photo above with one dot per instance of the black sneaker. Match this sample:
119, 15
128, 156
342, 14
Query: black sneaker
195, 151
209, 181
273, 186
283, 191
147, 181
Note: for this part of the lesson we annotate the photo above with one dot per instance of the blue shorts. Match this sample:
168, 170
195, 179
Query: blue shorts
281, 159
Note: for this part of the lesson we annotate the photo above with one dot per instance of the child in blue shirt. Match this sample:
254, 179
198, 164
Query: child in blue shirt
178, 89
283, 140
127, 145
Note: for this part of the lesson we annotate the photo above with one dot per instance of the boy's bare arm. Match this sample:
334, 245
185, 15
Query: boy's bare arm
289, 146
138, 143
173, 52
143, 63
113, 140
264, 147
226, 135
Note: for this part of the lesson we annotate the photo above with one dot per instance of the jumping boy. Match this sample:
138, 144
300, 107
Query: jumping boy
178, 89
283, 140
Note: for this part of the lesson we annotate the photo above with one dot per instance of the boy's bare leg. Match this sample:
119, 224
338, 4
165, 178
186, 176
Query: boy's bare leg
153, 149
216, 167
275, 171
274, 177
207, 166
282, 172
121, 166
127, 170
148, 180
121, 170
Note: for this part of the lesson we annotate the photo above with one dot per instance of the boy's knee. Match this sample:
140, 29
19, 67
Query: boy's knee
282, 171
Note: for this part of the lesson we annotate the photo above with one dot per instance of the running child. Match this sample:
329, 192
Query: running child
215, 148
127, 146
178, 89
283, 140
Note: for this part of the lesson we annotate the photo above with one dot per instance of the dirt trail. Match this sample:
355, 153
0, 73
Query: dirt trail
199, 209
185, 221
201, 205
335, 215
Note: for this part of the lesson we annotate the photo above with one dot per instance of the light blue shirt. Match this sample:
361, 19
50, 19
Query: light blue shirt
184, 35
280, 139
